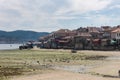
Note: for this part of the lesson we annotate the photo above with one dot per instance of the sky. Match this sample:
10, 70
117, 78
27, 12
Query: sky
51, 15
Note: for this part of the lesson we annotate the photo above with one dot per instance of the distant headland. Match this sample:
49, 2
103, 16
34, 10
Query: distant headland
19, 36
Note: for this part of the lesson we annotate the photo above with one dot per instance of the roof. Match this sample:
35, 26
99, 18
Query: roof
116, 30
63, 41
68, 37
82, 29
63, 31
44, 37
84, 34
96, 39
93, 29
106, 28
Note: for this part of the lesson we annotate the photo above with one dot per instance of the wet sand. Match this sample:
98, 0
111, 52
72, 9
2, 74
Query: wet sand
106, 71
63, 75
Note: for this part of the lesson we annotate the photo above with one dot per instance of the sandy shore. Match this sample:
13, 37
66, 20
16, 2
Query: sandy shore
109, 71
63, 75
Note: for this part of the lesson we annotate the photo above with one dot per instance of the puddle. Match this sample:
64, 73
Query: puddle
83, 68
80, 68
75, 68
114, 58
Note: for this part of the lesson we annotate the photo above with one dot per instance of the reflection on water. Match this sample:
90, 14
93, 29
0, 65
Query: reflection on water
9, 46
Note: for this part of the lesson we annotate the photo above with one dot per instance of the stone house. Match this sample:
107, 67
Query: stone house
106, 30
58, 39
82, 40
66, 42
95, 33
63, 33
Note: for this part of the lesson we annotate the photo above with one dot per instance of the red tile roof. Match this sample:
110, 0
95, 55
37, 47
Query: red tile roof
63, 31
116, 30
93, 29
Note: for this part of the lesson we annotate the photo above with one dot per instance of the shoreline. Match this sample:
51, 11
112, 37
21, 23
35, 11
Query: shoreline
39, 60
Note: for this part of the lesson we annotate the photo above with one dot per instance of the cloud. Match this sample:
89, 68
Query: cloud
62, 17
100, 20
26, 14
51, 15
80, 6
115, 6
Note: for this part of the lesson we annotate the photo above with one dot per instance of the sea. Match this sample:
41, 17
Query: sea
9, 46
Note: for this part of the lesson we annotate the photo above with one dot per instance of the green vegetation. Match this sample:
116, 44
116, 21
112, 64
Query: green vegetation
18, 62
19, 36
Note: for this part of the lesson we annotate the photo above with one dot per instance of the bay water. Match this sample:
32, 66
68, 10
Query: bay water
9, 46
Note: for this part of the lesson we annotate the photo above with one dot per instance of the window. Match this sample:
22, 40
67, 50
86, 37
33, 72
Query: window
117, 34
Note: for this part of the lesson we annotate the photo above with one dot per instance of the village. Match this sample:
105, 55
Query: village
83, 38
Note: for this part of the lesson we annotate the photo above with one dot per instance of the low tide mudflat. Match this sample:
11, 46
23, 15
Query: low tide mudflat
45, 64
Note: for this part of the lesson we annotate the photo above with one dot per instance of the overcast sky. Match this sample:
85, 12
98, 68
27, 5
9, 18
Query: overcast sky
51, 15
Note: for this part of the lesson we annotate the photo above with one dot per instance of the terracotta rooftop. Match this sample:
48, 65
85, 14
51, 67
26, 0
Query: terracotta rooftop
106, 28
116, 30
93, 29
63, 31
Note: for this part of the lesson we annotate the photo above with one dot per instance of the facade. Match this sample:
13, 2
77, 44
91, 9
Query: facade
94, 32
83, 38
106, 30
115, 34
63, 33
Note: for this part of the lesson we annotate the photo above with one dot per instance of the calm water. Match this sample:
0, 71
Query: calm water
9, 46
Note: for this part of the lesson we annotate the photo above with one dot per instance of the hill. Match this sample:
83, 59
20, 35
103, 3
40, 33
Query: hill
20, 36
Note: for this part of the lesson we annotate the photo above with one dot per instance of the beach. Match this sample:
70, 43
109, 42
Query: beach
45, 64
